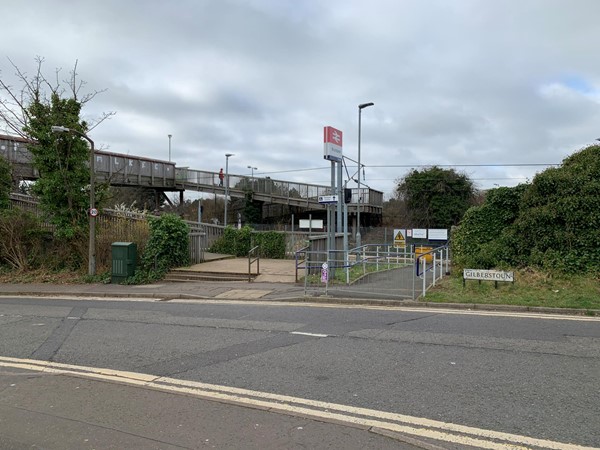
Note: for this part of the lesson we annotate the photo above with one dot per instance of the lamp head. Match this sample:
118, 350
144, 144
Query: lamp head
365, 105
59, 129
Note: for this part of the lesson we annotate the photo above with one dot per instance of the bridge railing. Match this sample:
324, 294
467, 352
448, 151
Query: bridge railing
130, 170
269, 187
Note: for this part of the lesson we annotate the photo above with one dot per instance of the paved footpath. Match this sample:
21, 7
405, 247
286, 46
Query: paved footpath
276, 282
51, 411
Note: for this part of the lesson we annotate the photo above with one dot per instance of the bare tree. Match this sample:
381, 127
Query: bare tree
15, 101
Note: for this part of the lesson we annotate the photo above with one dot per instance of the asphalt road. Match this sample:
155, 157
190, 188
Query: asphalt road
528, 376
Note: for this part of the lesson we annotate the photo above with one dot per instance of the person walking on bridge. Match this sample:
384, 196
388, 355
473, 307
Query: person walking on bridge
221, 177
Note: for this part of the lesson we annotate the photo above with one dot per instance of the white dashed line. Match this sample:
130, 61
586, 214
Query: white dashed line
309, 334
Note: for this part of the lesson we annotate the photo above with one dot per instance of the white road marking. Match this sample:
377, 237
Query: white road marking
352, 416
470, 312
86, 298
309, 334
429, 310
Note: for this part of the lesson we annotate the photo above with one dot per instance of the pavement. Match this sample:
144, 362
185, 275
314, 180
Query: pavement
52, 410
276, 282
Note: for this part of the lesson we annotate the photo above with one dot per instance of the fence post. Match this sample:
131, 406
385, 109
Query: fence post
306, 272
433, 268
424, 273
415, 270
364, 260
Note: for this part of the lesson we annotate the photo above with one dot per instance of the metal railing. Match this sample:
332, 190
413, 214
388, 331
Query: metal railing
301, 259
431, 266
253, 256
271, 190
374, 271
130, 170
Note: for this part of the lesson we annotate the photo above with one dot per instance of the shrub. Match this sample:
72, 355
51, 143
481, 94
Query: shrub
553, 223
168, 245
272, 244
22, 239
239, 242
234, 242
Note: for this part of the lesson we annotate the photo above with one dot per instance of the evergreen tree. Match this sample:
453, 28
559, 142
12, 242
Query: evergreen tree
435, 197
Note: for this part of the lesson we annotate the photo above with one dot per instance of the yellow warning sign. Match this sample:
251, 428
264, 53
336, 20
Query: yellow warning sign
400, 238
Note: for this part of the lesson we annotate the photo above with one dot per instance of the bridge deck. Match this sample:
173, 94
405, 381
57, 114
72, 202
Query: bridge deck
129, 170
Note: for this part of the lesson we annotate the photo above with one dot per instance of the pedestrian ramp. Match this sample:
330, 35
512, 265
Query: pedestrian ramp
372, 271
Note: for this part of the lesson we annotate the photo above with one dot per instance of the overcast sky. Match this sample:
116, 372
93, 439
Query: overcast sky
453, 82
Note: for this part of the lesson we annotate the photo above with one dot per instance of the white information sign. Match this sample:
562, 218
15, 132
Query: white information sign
419, 233
438, 234
328, 198
488, 275
315, 224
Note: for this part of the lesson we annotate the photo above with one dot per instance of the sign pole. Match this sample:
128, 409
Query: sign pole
331, 221
332, 151
340, 194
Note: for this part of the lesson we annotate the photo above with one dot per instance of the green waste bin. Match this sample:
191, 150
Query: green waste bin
124, 257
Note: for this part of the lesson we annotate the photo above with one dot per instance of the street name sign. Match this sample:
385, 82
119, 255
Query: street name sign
488, 275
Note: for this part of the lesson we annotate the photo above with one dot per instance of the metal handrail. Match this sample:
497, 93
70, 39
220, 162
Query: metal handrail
252, 260
303, 250
421, 263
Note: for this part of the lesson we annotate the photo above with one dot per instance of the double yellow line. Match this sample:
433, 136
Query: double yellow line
368, 419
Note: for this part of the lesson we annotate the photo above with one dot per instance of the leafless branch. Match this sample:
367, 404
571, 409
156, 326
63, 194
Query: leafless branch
14, 103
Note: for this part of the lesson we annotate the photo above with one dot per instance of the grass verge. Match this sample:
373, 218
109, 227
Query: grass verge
531, 288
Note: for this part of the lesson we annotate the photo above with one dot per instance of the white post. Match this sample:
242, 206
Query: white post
434, 264
346, 261
424, 274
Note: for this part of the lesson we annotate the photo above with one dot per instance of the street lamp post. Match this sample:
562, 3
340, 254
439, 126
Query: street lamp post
92, 218
252, 168
227, 155
358, 237
170, 136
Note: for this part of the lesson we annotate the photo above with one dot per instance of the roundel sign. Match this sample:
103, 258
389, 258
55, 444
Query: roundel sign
93, 212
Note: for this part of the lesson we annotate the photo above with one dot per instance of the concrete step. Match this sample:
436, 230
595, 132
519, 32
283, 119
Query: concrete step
186, 275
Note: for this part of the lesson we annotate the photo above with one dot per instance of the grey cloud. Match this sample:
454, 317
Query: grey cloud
453, 82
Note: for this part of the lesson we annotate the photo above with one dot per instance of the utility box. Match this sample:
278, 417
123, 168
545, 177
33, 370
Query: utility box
124, 257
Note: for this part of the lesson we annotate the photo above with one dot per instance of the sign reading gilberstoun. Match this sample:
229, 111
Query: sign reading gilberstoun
489, 275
